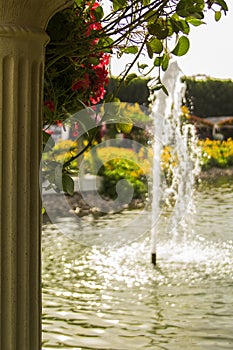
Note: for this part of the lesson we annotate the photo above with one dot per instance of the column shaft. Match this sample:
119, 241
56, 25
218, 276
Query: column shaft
21, 69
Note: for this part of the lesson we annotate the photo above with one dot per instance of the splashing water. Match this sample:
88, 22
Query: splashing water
96, 297
175, 192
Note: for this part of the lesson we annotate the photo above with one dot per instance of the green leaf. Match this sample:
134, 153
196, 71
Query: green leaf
106, 44
142, 66
162, 61
186, 8
119, 4
125, 125
158, 61
156, 45
170, 28
175, 25
145, 2
108, 98
159, 29
78, 2
222, 3
184, 27
157, 87
68, 184
217, 16
149, 50
181, 47
182, 8
198, 15
180, 26
131, 50
165, 62
151, 16
164, 90
118, 128
94, 61
99, 13
129, 78
194, 21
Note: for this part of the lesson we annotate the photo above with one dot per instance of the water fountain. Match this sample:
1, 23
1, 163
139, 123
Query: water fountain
106, 296
181, 137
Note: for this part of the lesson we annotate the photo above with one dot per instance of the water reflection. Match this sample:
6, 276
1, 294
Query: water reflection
97, 298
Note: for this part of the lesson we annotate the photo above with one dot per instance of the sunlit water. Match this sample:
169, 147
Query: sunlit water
101, 299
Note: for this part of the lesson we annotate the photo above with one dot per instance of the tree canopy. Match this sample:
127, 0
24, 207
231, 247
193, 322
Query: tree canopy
207, 97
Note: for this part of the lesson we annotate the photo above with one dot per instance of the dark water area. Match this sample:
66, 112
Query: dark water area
113, 298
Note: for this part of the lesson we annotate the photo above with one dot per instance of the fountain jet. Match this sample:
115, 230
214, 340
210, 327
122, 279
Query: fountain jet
181, 137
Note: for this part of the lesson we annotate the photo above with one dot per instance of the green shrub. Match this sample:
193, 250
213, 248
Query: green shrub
118, 169
121, 163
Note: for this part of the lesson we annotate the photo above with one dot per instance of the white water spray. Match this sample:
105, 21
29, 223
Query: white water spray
169, 131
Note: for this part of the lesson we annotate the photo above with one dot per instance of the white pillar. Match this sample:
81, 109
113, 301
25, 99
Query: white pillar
22, 43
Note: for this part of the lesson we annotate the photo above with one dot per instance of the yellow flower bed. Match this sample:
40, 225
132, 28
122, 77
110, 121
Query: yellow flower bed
135, 166
216, 153
62, 152
141, 159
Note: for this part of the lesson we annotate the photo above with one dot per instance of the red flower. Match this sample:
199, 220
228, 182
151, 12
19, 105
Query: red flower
98, 95
95, 5
82, 84
89, 79
92, 10
105, 59
50, 105
93, 26
50, 132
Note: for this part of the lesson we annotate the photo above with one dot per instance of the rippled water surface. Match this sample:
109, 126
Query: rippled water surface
105, 298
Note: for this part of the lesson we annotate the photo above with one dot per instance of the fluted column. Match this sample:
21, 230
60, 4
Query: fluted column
22, 43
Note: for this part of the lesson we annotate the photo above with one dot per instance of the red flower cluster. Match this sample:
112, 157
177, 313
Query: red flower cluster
101, 80
81, 71
95, 76
95, 80
82, 84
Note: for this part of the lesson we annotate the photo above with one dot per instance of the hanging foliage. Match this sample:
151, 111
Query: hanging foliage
82, 40
76, 67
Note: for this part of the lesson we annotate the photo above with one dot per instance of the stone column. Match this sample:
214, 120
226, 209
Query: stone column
22, 43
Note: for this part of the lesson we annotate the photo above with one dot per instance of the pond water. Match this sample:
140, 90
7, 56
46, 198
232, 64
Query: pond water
105, 298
